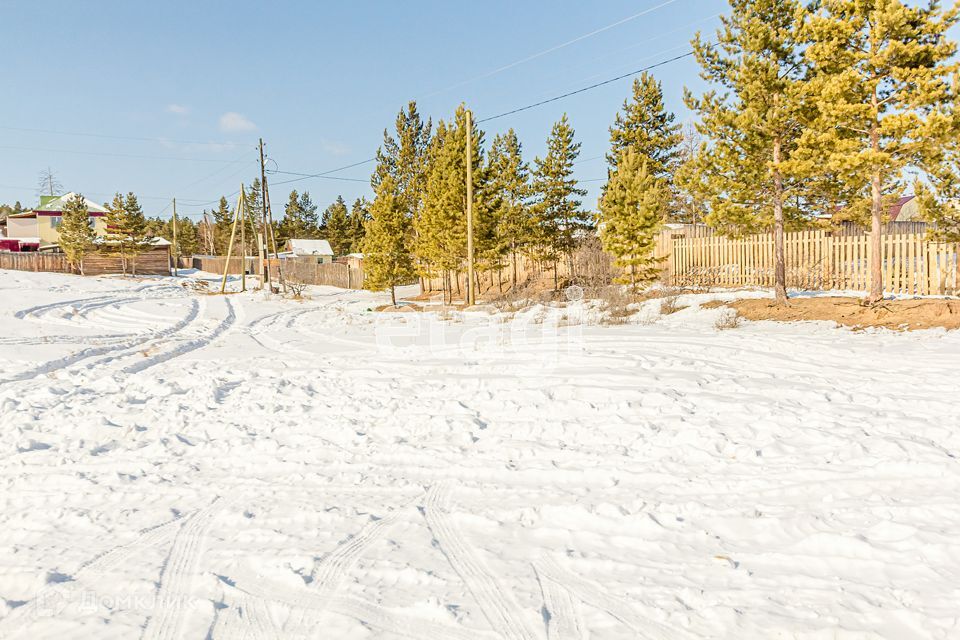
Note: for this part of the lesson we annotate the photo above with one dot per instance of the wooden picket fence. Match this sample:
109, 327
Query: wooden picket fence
815, 260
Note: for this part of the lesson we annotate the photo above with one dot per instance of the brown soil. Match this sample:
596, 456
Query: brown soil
851, 312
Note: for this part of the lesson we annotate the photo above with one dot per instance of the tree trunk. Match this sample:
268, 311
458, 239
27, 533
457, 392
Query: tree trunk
876, 245
779, 259
556, 279
876, 222
393, 295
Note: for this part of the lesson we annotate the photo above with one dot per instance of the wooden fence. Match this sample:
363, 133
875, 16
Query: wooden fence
815, 260
155, 262
30, 261
305, 270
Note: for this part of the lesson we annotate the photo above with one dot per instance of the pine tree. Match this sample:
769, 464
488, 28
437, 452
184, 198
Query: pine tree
508, 186
387, 258
646, 126
881, 76
118, 231
558, 215
359, 215
754, 124
308, 211
633, 208
222, 223
76, 232
404, 158
441, 228
336, 219
137, 230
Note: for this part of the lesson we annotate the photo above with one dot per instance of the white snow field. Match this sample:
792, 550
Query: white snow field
179, 465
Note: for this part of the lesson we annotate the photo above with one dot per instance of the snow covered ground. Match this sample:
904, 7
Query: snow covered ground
180, 465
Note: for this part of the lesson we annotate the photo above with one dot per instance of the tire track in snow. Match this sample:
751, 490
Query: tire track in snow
496, 602
177, 575
59, 594
368, 614
190, 345
93, 352
334, 567
596, 596
561, 612
245, 617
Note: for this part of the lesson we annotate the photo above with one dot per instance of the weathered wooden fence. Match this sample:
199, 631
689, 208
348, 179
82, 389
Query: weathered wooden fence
307, 270
155, 262
215, 264
31, 261
815, 260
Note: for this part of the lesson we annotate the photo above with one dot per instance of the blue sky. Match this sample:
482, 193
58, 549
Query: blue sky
196, 83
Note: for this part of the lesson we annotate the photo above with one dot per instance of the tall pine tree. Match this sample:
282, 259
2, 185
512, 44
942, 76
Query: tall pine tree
882, 74
632, 210
753, 125
559, 218
118, 231
137, 229
645, 125
339, 229
509, 192
359, 215
387, 256
75, 231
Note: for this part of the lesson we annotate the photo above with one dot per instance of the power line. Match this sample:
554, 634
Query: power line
322, 174
587, 88
113, 137
501, 115
552, 49
119, 155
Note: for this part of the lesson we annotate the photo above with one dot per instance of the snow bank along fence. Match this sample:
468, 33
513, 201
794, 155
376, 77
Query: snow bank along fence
305, 270
155, 262
814, 260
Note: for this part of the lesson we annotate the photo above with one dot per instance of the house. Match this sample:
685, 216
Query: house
302, 248
37, 229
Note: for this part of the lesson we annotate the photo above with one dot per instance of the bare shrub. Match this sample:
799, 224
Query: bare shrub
670, 303
728, 319
295, 287
615, 303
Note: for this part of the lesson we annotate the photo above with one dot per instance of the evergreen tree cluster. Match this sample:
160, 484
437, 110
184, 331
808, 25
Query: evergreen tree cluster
518, 211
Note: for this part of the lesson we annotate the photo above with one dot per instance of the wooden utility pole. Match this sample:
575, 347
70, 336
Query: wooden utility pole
264, 266
243, 243
470, 292
233, 235
176, 254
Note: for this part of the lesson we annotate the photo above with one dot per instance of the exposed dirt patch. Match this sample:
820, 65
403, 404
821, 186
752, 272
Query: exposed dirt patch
891, 314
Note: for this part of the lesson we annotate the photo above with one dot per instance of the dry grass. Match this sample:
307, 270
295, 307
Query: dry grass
851, 312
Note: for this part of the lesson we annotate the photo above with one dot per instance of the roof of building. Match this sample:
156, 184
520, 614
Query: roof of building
303, 247
58, 203
894, 210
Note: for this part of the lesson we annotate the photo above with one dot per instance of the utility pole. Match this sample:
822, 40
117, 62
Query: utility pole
243, 243
176, 252
264, 266
471, 300
233, 234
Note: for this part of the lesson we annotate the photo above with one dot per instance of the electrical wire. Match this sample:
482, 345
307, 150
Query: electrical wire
587, 88
113, 137
562, 45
